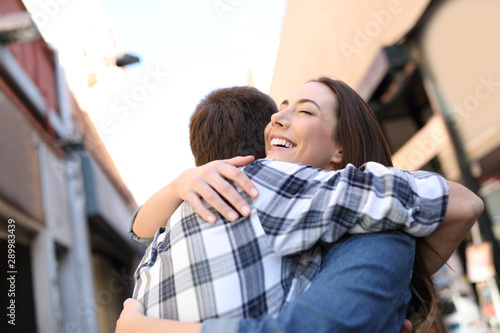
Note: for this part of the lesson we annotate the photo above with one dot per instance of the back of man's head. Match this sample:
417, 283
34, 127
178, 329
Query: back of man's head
230, 122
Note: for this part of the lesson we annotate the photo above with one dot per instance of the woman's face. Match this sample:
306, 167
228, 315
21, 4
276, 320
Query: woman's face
302, 131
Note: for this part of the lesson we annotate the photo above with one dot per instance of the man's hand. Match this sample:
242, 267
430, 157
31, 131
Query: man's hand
131, 317
133, 320
407, 326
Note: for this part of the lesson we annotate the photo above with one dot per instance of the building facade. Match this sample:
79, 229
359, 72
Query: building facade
430, 71
64, 209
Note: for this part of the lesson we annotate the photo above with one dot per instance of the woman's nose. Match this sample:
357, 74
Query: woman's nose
279, 119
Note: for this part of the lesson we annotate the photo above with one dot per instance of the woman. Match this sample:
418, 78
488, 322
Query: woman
302, 132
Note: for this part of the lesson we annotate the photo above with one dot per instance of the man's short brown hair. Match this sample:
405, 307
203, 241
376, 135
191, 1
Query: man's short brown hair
230, 122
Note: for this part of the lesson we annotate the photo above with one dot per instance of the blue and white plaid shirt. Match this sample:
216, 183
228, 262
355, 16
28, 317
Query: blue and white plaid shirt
194, 270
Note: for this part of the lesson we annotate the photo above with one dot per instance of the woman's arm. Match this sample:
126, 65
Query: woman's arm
193, 184
464, 208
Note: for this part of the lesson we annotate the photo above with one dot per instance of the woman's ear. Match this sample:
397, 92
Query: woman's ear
337, 156
337, 159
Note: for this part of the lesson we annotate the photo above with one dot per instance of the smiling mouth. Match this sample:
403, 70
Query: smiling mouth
277, 142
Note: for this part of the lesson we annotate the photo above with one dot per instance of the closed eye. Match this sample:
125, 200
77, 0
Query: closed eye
306, 112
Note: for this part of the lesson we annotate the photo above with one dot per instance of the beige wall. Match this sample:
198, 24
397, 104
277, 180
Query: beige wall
458, 47
337, 38
461, 49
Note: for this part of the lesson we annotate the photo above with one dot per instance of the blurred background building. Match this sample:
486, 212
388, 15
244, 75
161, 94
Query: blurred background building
73, 257
429, 69
431, 72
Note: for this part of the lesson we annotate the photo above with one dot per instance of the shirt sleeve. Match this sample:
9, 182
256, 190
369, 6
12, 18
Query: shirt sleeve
143, 241
423, 204
302, 205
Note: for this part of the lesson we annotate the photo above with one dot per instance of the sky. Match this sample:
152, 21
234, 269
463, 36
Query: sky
186, 49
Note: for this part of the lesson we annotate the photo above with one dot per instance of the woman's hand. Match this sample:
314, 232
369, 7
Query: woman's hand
209, 182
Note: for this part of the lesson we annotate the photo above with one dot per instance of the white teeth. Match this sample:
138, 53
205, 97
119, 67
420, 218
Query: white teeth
281, 142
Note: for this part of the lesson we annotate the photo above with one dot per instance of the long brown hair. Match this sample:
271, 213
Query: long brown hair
362, 140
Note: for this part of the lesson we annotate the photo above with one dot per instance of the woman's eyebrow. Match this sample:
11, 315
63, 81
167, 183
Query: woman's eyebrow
301, 101
306, 100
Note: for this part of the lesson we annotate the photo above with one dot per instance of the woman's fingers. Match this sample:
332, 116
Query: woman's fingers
240, 161
231, 172
217, 177
213, 199
210, 182
213, 188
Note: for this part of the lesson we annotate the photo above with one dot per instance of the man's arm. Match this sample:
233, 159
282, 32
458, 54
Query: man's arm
464, 208
300, 205
414, 202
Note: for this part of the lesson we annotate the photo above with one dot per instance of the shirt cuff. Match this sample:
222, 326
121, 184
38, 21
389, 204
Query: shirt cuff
220, 325
143, 241
432, 202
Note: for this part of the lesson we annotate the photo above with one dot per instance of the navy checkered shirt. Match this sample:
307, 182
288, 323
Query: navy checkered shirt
194, 270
